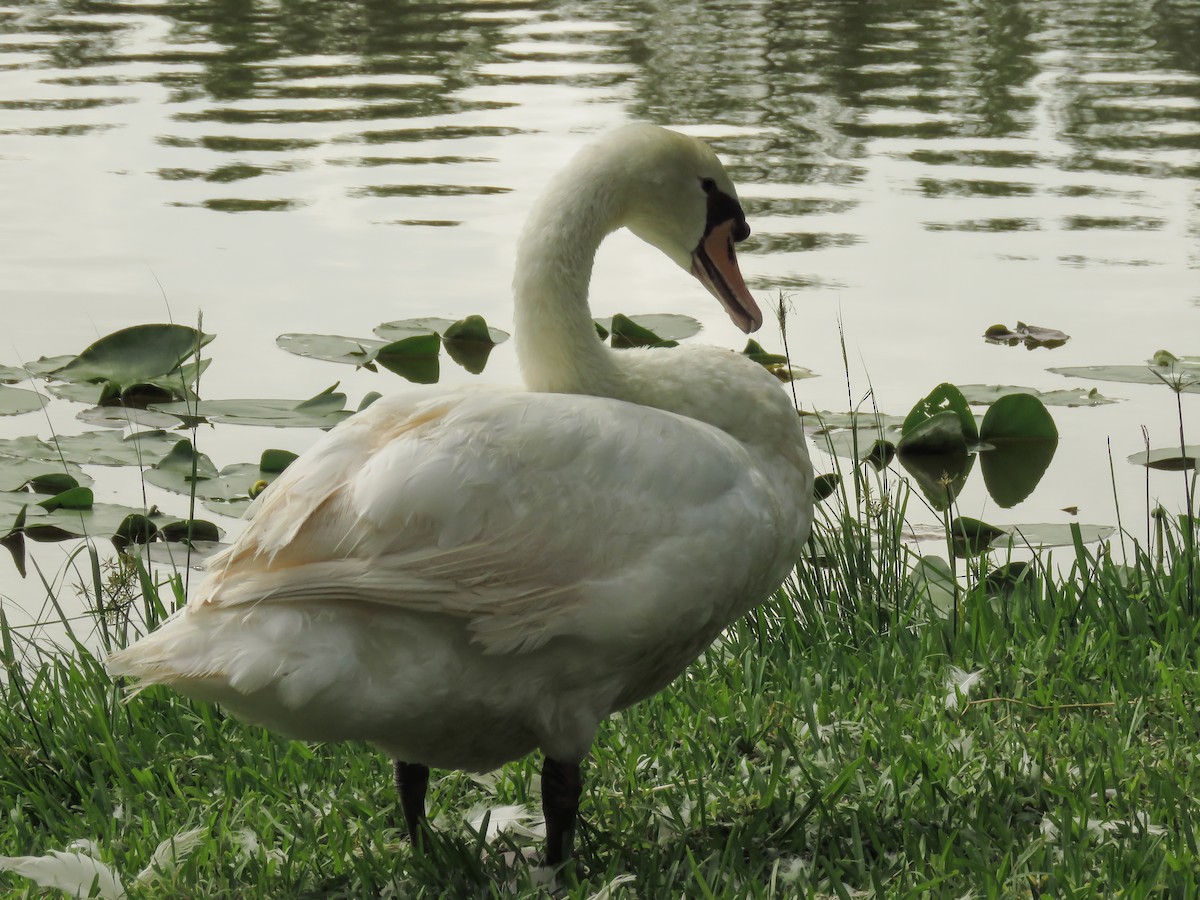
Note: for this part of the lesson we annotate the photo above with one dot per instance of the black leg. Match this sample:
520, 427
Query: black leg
412, 780
561, 787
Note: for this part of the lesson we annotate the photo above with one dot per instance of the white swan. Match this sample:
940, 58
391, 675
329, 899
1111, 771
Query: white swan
460, 577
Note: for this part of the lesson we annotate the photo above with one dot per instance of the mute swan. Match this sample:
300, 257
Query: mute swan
462, 576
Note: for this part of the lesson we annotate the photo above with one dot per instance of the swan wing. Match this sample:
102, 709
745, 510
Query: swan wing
528, 515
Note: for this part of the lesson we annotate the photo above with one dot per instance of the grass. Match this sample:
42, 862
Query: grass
819, 749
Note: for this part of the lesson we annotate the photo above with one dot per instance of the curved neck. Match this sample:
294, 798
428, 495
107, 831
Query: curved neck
557, 345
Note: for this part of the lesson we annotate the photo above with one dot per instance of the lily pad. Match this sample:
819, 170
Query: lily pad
134, 355
232, 484
1179, 374
1168, 459
938, 434
16, 472
322, 411
665, 326
331, 347
15, 401
100, 448
127, 417
985, 394
972, 537
404, 328
940, 476
12, 374
1022, 439
1030, 335
625, 333
414, 358
942, 399
469, 343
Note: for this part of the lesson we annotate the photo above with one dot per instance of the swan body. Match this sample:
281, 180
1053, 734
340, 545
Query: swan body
463, 576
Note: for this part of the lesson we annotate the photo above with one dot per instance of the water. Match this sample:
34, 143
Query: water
914, 172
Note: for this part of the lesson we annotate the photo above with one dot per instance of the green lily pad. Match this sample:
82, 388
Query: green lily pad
232, 484
331, 347
665, 326
825, 485
16, 472
938, 435
127, 417
99, 520
945, 398
12, 374
1179, 374
99, 448
754, 350
972, 537
626, 333
184, 462
469, 343
1053, 535
71, 498
134, 355
985, 394
1168, 459
324, 410
414, 358
1030, 335
15, 401
405, 328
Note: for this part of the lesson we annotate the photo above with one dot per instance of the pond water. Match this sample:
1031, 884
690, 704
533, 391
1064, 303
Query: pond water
914, 172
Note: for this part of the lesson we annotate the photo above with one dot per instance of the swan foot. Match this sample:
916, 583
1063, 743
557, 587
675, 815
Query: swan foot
412, 781
561, 789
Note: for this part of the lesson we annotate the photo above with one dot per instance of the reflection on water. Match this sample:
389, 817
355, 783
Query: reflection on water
914, 170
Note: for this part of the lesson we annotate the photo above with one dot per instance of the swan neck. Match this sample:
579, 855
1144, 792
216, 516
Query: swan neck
557, 345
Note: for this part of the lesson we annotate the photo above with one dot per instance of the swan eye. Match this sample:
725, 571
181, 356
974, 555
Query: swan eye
708, 185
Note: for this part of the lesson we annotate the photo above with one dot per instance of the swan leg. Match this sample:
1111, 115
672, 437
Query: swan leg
412, 780
561, 788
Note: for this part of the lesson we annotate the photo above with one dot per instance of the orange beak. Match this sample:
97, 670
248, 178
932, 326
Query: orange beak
715, 264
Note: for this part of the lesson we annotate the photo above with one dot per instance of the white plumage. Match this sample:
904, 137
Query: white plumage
463, 576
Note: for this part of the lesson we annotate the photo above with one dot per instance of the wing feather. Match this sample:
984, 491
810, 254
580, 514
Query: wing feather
526, 515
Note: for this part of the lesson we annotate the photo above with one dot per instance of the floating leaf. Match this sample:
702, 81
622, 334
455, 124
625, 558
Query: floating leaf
98, 448
322, 411
665, 326
1180, 375
134, 355
15, 401
469, 343
971, 537
414, 358
626, 333
1053, 535
403, 328
754, 350
1030, 335
190, 530
186, 462
275, 461
1168, 459
825, 485
331, 347
985, 394
943, 398
135, 528
15, 472
939, 435
71, 498
1022, 440
127, 417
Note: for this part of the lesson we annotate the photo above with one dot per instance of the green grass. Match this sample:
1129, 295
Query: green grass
810, 752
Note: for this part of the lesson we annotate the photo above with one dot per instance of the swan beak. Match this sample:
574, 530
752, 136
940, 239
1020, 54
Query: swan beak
715, 264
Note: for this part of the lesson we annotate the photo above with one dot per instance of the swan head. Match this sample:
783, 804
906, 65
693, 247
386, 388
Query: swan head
680, 199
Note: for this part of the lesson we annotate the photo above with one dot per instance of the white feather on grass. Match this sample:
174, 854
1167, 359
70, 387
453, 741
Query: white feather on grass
959, 684
77, 870
502, 819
